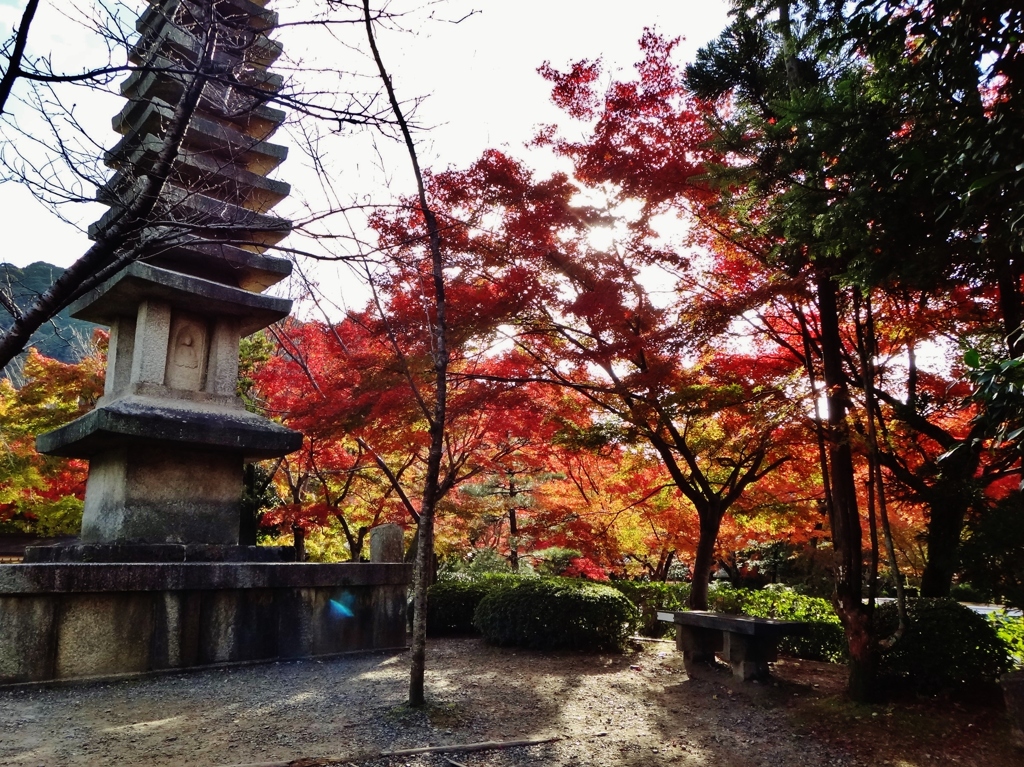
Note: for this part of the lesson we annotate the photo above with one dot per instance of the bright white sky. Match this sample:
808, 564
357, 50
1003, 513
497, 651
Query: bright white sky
478, 76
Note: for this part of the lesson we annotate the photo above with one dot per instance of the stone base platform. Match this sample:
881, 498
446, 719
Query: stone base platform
64, 621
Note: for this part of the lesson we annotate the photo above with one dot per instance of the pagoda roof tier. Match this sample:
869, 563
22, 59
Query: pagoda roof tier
243, 107
259, 17
208, 217
146, 420
220, 262
203, 135
121, 295
249, 74
200, 173
161, 33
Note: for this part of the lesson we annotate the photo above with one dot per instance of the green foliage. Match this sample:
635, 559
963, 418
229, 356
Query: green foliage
1010, 628
555, 560
826, 640
968, 592
258, 496
452, 602
479, 562
487, 561
61, 516
724, 598
253, 351
555, 613
651, 596
946, 646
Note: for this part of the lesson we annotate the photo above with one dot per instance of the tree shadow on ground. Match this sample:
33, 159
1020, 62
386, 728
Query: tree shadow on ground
807, 701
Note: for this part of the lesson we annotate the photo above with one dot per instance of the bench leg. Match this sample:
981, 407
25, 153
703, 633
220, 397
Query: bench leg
749, 656
698, 645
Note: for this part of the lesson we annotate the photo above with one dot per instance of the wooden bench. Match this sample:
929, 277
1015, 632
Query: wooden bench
747, 644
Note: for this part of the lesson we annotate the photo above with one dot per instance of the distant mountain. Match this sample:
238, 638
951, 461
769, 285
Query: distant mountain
63, 338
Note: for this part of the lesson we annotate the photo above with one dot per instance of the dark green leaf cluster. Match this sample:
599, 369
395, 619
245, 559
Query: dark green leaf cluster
946, 646
451, 603
555, 613
880, 141
651, 596
999, 387
992, 555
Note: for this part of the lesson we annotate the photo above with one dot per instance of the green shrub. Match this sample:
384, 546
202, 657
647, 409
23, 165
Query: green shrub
826, 640
452, 601
555, 613
649, 597
724, 598
946, 646
1010, 629
993, 554
967, 592
555, 560
450, 605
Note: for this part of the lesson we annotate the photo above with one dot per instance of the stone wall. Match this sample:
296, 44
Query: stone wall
75, 620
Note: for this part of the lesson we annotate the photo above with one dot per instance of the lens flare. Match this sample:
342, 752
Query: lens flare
342, 606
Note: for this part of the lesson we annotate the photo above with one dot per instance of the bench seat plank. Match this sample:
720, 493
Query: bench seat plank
736, 624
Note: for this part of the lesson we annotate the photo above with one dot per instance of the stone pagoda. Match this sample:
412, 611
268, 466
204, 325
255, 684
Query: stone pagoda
167, 441
159, 580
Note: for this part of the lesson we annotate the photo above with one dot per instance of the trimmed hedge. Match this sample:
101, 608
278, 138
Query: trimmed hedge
452, 602
555, 613
651, 596
946, 646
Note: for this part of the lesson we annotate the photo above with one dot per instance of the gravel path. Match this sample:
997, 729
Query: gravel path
633, 710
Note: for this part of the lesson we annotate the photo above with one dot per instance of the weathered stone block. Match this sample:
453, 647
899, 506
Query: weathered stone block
26, 638
102, 634
153, 494
387, 544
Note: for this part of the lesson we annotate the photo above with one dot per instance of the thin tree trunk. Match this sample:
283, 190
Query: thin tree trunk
439, 339
868, 366
513, 543
873, 536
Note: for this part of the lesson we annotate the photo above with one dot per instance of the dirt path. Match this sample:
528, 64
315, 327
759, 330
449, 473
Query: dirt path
634, 710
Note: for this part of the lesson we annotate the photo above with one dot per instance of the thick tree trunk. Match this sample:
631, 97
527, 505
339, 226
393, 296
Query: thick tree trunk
845, 516
948, 502
710, 522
